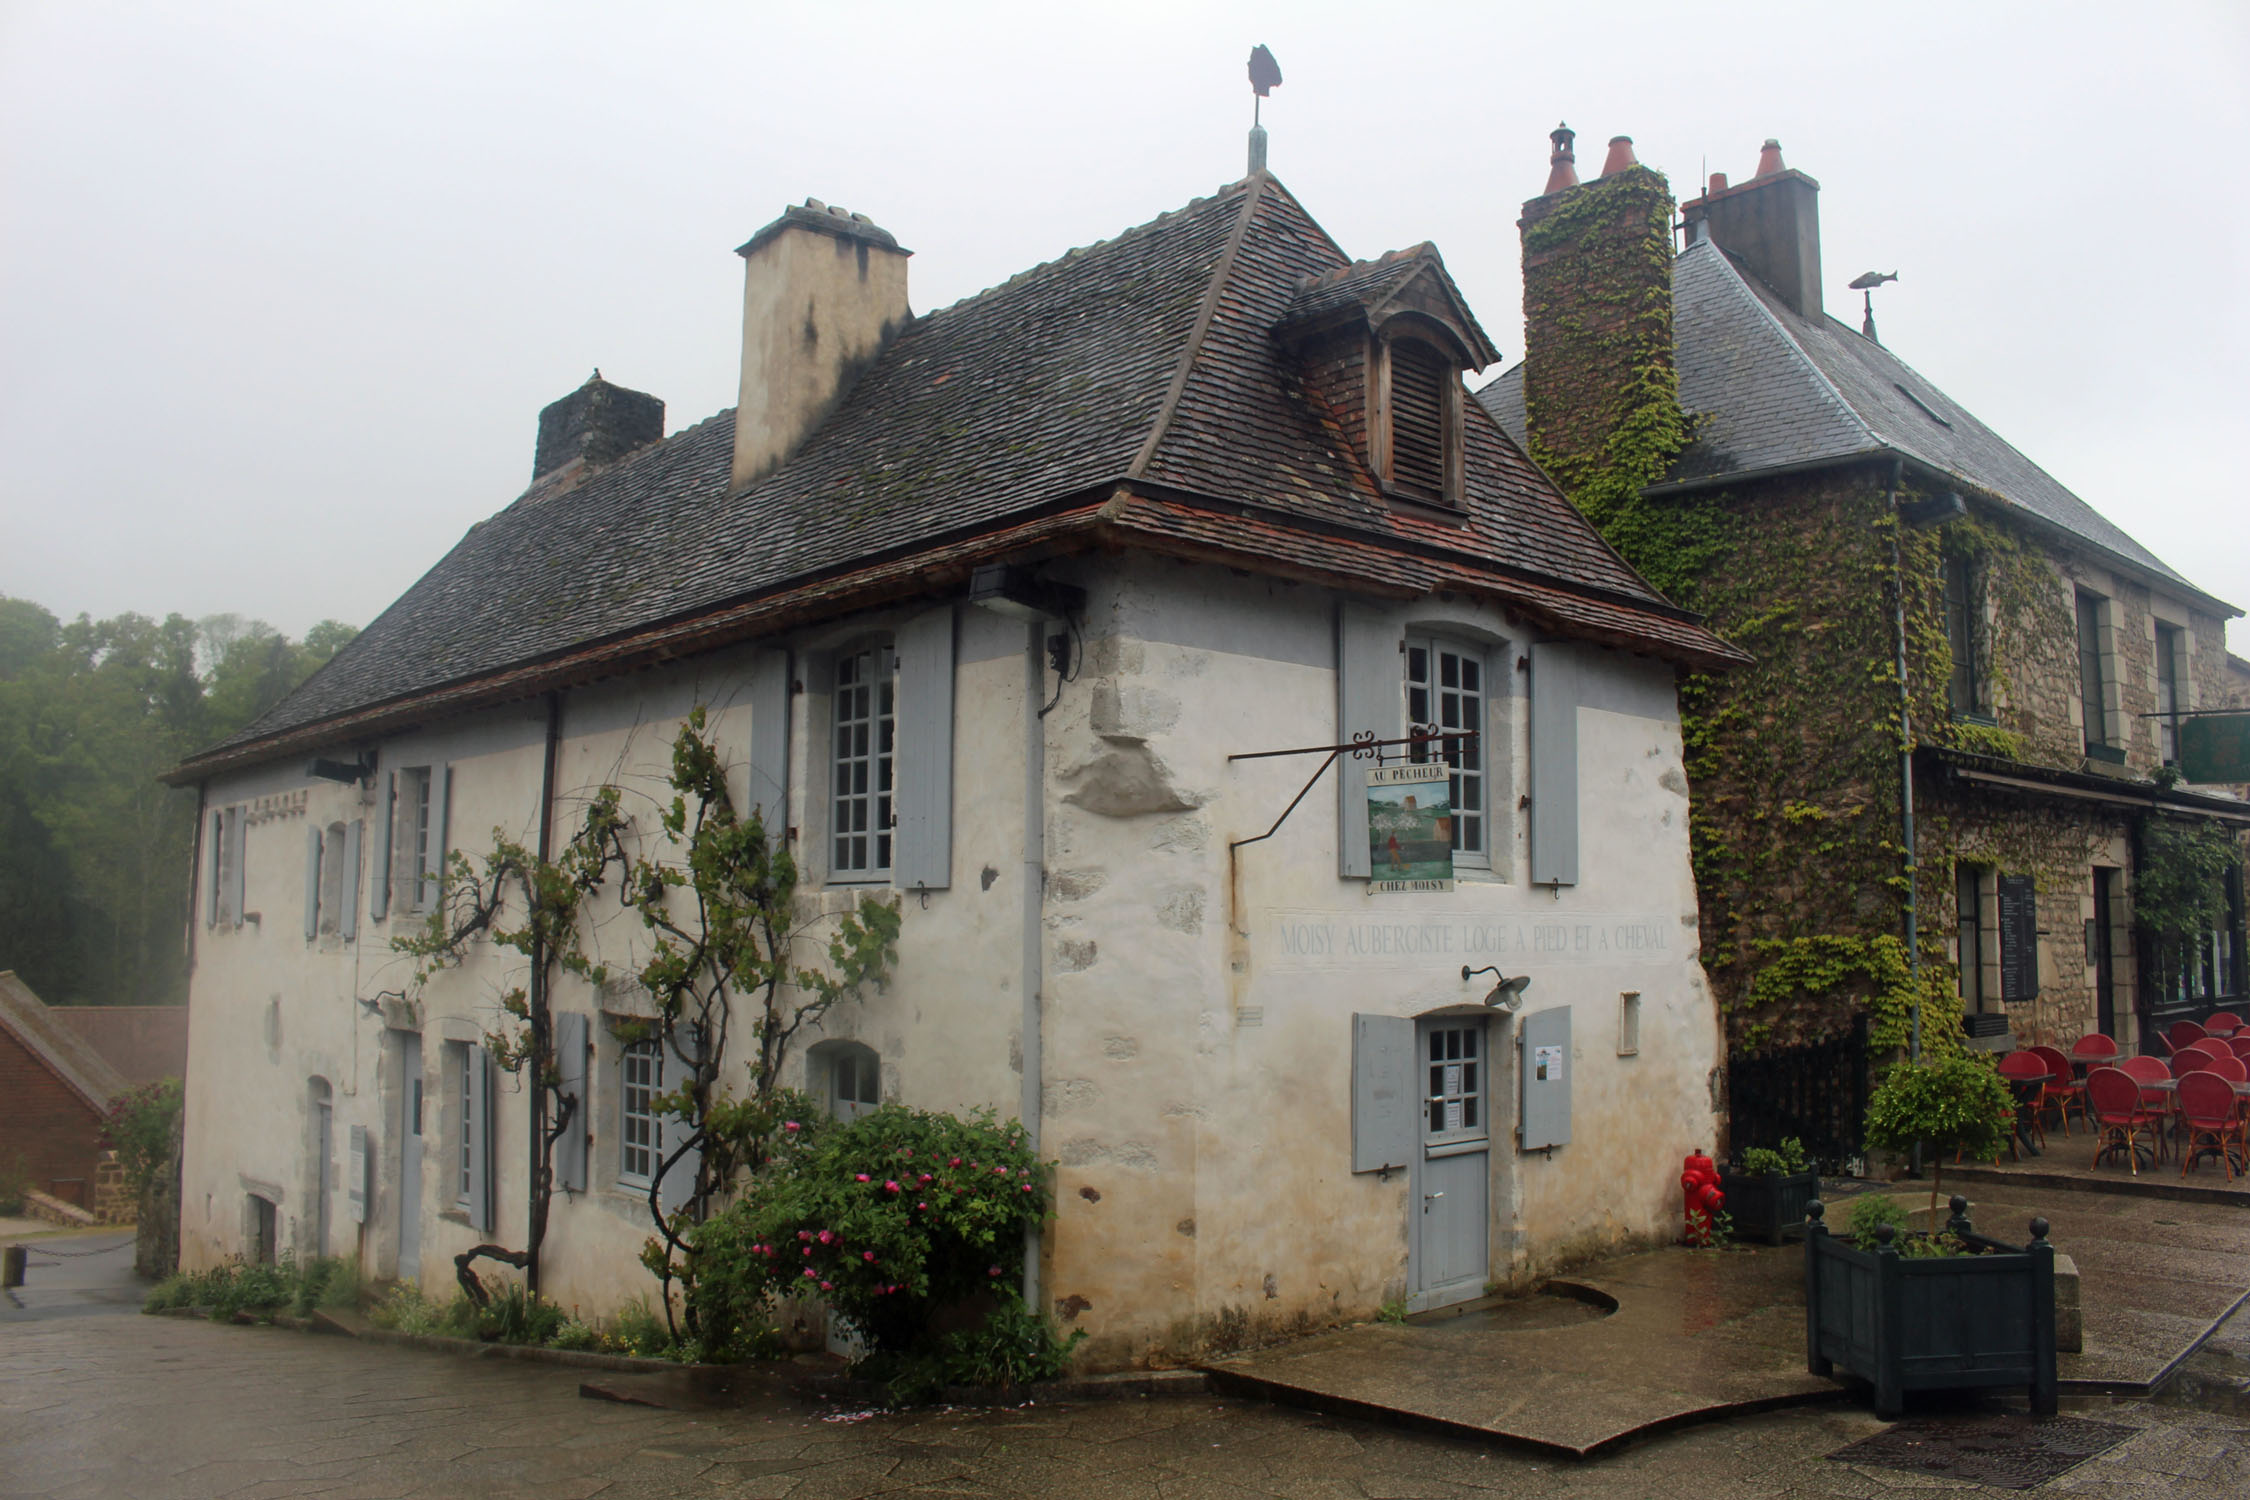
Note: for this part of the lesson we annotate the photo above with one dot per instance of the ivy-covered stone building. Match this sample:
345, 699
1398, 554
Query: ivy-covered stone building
1793, 478
1038, 620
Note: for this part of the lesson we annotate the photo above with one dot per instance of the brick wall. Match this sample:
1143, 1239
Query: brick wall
55, 1133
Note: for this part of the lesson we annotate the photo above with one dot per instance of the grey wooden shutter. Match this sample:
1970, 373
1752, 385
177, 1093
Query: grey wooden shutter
570, 1081
769, 740
312, 884
348, 919
1418, 378
676, 1183
922, 858
480, 1133
1555, 672
433, 858
1544, 1089
214, 855
355, 1174
1369, 694
379, 864
1383, 1112
237, 841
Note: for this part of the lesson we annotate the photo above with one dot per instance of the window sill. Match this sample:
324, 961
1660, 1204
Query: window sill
1981, 720
2111, 755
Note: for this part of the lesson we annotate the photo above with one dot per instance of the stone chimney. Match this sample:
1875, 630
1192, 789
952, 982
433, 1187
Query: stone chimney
1771, 224
1597, 303
593, 426
823, 291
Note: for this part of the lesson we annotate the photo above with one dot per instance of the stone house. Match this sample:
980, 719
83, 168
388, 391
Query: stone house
987, 605
1794, 479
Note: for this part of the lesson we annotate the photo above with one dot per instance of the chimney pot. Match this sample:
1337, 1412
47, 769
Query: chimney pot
1620, 155
1562, 165
1769, 158
1718, 182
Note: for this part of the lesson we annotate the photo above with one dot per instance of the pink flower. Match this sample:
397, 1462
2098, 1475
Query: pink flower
1027, 1187
808, 1251
999, 1171
804, 1234
868, 1256
994, 1271
955, 1162
828, 1236
824, 1286
924, 1207
863, 1177
808, 1271
925, 1177
791, 1125
890, 1187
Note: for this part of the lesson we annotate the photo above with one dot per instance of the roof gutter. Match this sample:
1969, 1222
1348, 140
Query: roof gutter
2077, 786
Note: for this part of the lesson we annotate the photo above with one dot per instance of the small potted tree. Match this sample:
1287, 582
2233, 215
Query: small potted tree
1767, 1194
1945, 1309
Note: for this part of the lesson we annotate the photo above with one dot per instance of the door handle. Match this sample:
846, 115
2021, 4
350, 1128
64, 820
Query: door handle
1431, 1197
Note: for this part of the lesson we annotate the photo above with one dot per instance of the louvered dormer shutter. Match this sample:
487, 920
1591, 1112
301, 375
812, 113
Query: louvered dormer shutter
1419, 375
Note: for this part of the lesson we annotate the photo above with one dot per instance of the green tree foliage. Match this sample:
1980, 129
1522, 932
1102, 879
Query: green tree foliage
94, 850
1958, 1103
139, 1127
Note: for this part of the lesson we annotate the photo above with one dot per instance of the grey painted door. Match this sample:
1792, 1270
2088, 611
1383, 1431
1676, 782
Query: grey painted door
1450, 1200
324, 1171
410, 1158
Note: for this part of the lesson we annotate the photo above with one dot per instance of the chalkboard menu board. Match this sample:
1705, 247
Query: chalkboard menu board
2019, 939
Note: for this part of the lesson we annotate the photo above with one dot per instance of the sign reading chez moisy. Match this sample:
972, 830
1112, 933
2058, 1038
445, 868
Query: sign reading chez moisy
1410, 828
2215, 748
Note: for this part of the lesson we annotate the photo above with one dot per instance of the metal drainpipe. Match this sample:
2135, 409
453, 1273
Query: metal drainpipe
1031, 1043
1906, 771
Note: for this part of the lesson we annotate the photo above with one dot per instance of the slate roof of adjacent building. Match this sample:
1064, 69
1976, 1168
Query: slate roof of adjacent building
142, 1042
60, 1050
1132, 389
1772, 391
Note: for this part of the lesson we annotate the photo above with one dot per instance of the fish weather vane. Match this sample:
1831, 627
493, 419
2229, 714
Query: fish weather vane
1265, 77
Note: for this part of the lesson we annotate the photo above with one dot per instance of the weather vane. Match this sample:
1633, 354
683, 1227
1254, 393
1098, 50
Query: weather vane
1865, 285
1265, 77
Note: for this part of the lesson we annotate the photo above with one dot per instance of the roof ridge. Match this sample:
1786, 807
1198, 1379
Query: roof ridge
1078, 252
1192, 350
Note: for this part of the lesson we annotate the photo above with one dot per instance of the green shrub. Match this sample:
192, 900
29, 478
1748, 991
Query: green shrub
1871, 1213
1786, 1162
1014, 1346
890, 1218
139, 1129
406, 1310
13, 1181
1948, 1104
573, 1334
637, 1329
516, 1315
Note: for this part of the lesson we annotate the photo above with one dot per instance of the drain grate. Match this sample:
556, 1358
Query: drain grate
2005, 1451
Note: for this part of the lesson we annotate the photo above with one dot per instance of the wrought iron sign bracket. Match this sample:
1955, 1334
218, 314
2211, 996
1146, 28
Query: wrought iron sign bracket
1359, 747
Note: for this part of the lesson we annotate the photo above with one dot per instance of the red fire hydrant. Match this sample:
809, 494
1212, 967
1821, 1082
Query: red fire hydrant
1699, 1184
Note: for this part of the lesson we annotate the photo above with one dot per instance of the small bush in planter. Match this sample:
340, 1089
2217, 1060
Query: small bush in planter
898, 1220
1789, 1161
1769, 1191
1948, 1104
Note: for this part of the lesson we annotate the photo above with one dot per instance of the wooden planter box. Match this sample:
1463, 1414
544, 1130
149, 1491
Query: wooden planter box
1768, 1205
1918, 1325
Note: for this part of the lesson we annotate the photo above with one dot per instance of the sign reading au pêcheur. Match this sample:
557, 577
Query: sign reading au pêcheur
2215, 748
1410, 828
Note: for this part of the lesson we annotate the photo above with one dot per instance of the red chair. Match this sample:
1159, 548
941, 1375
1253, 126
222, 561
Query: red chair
2230, 1067
2093, 1047
2241, 1045
2145, 1071
2213, 1122
2028, 1076
2063, 1088
2115, 1097
2222, 1021
2206, 1050
2184, 1032
2162, 1044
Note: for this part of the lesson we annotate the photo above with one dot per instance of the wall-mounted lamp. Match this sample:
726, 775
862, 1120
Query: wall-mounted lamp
1507, 994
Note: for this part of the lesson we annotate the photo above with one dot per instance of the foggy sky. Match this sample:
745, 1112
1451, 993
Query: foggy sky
283, 286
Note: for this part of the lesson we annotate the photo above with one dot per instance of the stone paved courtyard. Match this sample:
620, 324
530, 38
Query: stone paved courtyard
110, 1405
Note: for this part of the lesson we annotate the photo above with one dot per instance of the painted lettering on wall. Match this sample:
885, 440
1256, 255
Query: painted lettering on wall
1333, 940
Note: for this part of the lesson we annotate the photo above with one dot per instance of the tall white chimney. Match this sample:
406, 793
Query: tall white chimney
822, 292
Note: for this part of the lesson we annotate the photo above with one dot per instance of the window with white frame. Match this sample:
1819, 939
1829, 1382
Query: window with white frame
2171, 690
465, 1139
640, 1129
863, 729
849, 1075
1445, 690
411, 831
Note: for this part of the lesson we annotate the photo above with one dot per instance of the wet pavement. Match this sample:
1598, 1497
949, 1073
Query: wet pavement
2066, 1163
1700, 1335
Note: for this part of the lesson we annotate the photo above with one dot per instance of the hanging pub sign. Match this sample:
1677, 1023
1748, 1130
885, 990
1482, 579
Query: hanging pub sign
2215, 748
1410, 828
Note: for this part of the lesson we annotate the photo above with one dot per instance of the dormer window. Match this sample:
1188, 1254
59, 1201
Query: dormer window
1424, 422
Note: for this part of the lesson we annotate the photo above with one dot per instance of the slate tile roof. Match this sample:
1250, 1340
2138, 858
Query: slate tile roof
70, 1057
1774, 390
1147, 360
